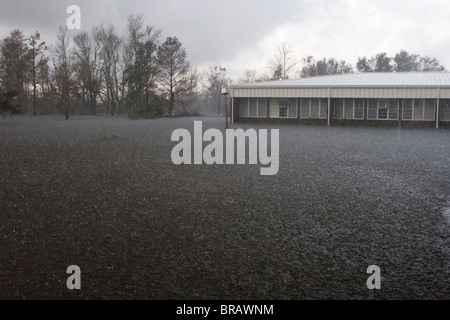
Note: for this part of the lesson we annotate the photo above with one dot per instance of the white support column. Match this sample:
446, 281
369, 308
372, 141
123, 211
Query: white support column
232, 110
329, 107
438, 105
310, 107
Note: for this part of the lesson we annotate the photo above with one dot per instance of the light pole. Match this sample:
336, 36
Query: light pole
226, 92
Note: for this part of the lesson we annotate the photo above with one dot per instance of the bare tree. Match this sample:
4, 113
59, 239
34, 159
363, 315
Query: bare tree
252, 75
215, 82
111, 44
174, 72
87, 57
140, 65
63, 70
38, 61
283, 62
44, 83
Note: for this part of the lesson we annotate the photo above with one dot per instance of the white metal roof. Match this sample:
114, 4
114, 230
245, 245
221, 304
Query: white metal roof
369, 79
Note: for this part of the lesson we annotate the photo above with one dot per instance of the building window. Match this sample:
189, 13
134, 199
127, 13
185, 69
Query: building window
305, 108
407, 109
359, 109
444, 107
338, 108
429, 109
348, 108
372, 109
419, 109
253, 108
292, 108
262, 108
393, 105
243, 108
315, 109
283, 109
323, 109
382, 110
382, 113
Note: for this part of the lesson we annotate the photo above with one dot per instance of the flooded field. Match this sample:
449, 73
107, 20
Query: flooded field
140, 227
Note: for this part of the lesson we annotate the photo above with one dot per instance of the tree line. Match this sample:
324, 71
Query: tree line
285, 65
139, 74
135, 73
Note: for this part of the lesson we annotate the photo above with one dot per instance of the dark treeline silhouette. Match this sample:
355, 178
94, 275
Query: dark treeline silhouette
401, 62
97, 71
285, 65
139, 74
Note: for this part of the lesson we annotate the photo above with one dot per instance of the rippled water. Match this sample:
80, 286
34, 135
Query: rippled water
447, 214
140, 227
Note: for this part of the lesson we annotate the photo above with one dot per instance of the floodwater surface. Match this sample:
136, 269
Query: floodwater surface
140, 227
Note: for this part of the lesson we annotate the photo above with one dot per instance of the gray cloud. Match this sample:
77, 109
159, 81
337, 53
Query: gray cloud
209, 29
213, 31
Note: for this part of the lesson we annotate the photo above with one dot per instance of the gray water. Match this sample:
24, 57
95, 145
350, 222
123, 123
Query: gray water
140, 227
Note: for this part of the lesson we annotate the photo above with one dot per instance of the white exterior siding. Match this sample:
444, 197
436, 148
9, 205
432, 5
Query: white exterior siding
444, 93
279, 93
371, 93
370, 96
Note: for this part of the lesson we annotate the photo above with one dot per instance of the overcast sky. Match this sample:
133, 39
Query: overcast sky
243, 34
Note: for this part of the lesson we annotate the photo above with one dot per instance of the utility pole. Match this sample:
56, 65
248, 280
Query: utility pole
226, 92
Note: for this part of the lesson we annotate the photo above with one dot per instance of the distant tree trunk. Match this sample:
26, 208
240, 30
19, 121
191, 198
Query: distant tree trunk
283, 62
63, 70
87, 53
213, 92
174, 71
36, 52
